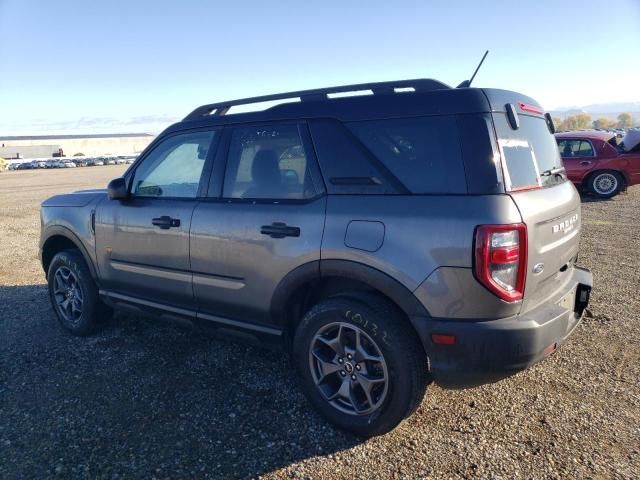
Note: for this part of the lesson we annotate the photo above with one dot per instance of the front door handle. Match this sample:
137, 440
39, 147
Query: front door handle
279, 230
165, 222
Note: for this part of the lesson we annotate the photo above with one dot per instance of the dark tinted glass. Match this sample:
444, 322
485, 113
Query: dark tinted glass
527, 152
267, 162
423, 153
346, 164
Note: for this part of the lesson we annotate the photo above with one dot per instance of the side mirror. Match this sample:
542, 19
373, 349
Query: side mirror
117, 189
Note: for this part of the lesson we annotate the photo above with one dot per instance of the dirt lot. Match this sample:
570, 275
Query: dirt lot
144, 399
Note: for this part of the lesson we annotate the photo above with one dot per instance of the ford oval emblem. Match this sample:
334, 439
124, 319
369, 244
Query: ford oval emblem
538, 268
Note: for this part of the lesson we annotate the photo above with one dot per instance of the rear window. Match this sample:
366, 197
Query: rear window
527, 153
423, 153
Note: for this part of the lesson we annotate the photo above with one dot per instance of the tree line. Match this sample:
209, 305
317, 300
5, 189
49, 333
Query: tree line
583, 121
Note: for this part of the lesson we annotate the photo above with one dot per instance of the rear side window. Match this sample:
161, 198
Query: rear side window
424, 153
528, 154
575, 148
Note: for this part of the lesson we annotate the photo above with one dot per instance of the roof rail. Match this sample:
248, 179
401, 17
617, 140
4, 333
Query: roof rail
319, 94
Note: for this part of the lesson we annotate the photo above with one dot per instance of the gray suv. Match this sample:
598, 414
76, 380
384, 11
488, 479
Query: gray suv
387, 235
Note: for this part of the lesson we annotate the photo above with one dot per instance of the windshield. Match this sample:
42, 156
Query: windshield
530, 156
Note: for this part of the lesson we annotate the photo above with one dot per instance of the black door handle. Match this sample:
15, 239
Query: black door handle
585, 162
279, 230
165, 222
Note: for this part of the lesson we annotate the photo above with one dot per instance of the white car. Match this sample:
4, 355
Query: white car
68, 164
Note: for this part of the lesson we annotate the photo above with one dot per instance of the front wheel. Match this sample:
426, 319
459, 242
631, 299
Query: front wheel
360, 363
606, 184
73, 294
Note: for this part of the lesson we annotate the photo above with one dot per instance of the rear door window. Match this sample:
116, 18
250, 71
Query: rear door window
424, 153
268, 162
575, 148
528, 154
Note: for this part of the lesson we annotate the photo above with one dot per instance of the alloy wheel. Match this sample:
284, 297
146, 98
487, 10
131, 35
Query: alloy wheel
68, 296
348, 368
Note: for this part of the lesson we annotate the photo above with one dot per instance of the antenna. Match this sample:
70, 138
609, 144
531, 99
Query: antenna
467, 83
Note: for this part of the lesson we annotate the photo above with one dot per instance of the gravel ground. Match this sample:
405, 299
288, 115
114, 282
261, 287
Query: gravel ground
150, 400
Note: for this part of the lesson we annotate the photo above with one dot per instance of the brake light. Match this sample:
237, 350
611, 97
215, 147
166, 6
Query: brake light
525, 107
443, 339
501, 259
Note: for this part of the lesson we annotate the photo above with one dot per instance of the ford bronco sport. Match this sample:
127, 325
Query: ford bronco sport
411, 234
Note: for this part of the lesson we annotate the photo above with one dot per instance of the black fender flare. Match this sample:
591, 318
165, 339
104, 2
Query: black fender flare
377, 279
374, 278
299, 276
61, 231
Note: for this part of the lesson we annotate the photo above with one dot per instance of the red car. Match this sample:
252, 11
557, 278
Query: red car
595, 163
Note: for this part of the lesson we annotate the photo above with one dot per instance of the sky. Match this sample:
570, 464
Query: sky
133, 66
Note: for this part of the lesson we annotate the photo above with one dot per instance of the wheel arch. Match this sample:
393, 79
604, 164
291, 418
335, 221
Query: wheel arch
314, 281
58, 238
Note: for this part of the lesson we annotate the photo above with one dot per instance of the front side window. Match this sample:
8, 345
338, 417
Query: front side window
174, 167
267, 162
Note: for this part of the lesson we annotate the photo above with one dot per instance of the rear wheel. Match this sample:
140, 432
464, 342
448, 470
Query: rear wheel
73, 293
606, 184
360, 363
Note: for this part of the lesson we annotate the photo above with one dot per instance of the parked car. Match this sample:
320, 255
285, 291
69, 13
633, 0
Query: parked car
40, 164
96, 162
110, 161
68, 164
595, 164
121, 161
385, 241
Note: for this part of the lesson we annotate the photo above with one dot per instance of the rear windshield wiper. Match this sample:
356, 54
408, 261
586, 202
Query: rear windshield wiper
553, 171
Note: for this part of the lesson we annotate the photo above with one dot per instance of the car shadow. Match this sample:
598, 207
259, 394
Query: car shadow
590, 198
146, 399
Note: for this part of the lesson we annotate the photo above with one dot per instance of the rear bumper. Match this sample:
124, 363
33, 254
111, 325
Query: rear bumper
487, 351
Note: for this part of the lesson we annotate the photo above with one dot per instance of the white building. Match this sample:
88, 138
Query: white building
40, 146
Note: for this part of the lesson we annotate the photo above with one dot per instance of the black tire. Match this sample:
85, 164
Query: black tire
605, 183
403, 356
92, 310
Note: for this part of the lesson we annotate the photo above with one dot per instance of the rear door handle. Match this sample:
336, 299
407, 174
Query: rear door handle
585, 162
279, 230
165, 222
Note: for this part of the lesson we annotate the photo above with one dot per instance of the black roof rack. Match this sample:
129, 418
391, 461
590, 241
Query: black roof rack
319, 94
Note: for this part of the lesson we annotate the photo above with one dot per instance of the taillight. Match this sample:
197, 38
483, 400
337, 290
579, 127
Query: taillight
501, 259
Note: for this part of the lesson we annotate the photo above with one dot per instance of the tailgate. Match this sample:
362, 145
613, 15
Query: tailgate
548, 203
552, 216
